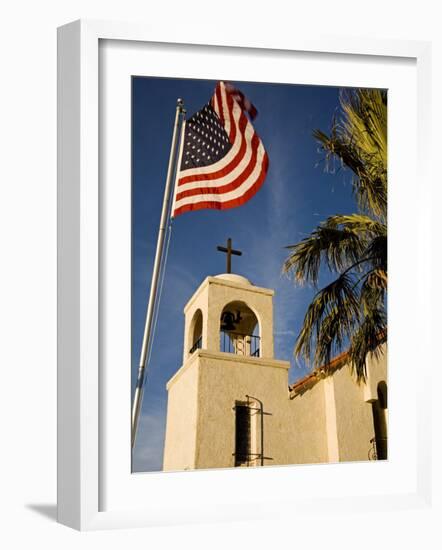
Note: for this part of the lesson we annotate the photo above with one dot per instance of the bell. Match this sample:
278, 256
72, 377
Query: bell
227, 321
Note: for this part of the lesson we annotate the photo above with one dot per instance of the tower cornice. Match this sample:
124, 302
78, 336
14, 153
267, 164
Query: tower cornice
238, 360
246, 287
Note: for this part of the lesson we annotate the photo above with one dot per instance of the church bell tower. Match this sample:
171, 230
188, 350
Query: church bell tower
220, 401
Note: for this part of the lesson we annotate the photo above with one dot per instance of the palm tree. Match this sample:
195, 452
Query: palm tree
350, 312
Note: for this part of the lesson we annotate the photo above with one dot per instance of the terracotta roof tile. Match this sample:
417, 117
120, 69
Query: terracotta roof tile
305, 383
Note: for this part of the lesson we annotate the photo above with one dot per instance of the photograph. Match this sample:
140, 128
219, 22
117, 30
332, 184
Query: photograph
259, 274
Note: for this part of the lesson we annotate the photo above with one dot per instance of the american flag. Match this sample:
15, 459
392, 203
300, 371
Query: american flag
223, 160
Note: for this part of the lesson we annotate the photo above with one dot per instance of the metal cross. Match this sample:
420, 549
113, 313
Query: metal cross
229, 251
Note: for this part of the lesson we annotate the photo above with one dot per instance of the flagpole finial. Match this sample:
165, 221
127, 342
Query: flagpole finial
180, 105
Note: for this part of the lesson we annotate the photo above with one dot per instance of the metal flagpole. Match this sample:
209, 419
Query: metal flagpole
147, 337
180, 156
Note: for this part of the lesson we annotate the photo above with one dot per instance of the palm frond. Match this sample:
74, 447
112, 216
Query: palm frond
328, 321
366, 341
358, 141
333, 337
338, 248
377, 249
361, 224
365, 119
372, 293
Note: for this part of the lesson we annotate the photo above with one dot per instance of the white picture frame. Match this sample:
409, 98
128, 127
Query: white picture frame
80, 395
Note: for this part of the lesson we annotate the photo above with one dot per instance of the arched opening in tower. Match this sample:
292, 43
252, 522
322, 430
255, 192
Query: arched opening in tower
196, 332
239, 330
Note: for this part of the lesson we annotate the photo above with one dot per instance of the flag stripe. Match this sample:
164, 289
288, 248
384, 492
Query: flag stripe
228, 99
219, 103
230, 183
219, 205
229, 163
239, 188
231, 179
243, 101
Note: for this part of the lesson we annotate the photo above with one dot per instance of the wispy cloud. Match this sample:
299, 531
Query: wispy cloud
269, 249
285, 333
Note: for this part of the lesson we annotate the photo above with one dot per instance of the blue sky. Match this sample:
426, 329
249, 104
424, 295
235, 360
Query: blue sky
295, 197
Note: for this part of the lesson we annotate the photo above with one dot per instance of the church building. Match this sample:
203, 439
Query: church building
230, 403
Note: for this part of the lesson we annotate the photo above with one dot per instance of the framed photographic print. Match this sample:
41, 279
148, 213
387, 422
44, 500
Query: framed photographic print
223, 215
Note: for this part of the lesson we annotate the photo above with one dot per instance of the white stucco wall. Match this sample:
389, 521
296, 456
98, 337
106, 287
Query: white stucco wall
305, 435
345, 416
182, 417
354, 410
220, 380
354, 418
